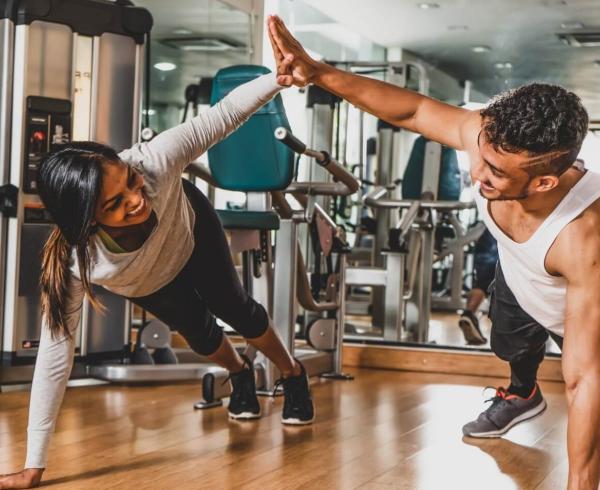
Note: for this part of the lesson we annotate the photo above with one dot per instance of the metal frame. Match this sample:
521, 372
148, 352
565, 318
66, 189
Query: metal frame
7, 34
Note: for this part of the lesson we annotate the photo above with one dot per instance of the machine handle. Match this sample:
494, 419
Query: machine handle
376, 199
287, 138
349, 183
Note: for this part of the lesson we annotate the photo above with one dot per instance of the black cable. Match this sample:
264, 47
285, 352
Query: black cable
185, 111
147, 87
297, 165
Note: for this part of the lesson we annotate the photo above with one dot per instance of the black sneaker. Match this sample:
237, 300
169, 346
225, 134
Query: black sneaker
469, 324
298, 406
506, 411
243, 403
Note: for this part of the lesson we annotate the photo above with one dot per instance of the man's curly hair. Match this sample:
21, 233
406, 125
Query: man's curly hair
541, 119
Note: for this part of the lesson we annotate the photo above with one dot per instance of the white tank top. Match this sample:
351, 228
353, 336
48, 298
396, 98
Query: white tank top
540, 295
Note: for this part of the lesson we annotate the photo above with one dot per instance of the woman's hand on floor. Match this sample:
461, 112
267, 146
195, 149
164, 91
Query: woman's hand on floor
28, 478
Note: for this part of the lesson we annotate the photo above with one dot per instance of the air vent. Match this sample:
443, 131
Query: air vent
581, 39
204, 43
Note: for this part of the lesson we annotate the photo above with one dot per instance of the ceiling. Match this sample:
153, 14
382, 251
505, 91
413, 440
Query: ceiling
521, 32
184, 19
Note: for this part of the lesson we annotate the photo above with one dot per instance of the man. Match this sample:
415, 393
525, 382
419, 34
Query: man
484, 268
545, 214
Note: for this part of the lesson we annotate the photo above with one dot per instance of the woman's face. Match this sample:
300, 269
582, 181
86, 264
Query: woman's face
122, 200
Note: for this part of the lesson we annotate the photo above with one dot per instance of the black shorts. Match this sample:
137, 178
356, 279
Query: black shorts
207, 286
515, 334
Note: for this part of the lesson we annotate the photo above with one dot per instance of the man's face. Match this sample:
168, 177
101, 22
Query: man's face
501, 175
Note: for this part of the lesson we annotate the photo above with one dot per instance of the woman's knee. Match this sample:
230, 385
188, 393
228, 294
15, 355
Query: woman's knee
249, 318
204, 340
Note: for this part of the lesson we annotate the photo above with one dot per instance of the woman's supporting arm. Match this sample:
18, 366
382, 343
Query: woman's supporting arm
52, 369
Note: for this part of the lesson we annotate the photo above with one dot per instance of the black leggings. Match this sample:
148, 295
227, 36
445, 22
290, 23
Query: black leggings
208, 285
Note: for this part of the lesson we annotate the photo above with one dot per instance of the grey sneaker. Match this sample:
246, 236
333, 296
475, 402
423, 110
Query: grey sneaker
506, 411
469, 324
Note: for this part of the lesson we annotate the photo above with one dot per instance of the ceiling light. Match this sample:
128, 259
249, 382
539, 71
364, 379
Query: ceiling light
481, 49
165, 66
201, 43
428, 6
182, 32
572, 25
458, 28
503, 65
150, 112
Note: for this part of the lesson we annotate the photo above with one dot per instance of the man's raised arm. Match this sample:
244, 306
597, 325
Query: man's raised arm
401, 107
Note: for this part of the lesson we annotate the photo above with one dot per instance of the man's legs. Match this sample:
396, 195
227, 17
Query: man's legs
518, 339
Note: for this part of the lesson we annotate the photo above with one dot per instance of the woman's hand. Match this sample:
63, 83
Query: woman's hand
294, 65
28, 478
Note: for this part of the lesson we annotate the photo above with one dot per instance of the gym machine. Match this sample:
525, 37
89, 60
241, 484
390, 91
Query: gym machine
69, 71
420, 231
427, 198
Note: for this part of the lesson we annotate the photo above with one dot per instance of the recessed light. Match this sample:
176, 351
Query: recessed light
428, 6
572, 25
182, 32
481, 49
165, 66
458, 28
503, 65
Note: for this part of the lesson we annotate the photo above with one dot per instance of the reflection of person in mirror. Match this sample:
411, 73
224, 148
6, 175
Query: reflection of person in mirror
542, 207
484, 269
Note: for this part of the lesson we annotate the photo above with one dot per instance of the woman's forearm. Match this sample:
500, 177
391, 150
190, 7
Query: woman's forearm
52, 368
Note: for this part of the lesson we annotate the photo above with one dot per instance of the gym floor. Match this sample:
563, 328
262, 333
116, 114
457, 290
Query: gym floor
385, 429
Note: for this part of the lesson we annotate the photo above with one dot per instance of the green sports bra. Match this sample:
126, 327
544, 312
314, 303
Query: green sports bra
109, 242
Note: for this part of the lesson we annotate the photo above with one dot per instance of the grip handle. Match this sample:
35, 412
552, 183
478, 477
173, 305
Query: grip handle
290, 140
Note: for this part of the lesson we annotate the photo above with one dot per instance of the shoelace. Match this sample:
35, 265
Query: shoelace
278, 383
291, 389
246, 391
498, 400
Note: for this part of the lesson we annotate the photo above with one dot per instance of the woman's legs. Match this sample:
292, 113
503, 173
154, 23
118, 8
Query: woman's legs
226, 356
270, 345
218, 283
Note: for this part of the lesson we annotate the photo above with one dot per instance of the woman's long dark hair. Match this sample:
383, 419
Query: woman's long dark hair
69, 182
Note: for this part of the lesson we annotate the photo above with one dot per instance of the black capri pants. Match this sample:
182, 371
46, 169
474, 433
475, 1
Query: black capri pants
207, 286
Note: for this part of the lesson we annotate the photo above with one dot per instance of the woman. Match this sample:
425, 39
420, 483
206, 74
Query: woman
128, 223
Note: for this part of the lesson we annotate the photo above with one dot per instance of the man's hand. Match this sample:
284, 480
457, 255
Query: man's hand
437, 121
294, 65
28, 478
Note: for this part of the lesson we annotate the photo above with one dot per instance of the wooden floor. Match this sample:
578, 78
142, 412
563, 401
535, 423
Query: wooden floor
384, 430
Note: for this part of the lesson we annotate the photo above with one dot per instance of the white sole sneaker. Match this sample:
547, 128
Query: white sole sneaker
530, 414
297, 421
244, 416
